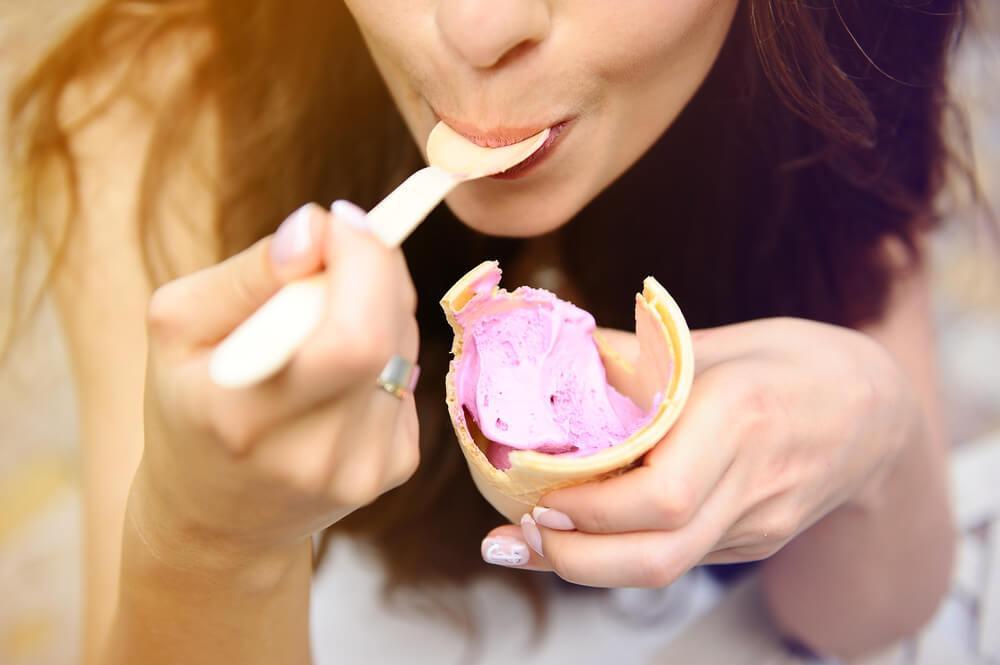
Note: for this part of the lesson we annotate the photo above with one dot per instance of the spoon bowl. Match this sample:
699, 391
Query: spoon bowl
450, 151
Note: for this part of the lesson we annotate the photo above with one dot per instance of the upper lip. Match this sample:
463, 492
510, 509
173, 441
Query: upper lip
494, 137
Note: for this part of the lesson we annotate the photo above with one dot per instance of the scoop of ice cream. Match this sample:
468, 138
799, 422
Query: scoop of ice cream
531, 378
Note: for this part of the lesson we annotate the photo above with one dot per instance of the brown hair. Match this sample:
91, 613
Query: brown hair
817, 135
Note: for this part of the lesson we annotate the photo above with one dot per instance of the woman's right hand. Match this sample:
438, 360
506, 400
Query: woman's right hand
260, 469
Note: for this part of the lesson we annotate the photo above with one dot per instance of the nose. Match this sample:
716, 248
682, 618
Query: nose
482, 32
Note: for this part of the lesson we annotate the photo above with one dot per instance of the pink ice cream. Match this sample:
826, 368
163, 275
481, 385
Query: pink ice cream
531, 378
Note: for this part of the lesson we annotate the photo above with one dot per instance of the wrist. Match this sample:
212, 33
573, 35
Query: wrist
896, 425
167, 543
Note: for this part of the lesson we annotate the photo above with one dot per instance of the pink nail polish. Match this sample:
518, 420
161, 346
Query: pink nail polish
294, 237
350, 213
553, 519
505, 551
531, 533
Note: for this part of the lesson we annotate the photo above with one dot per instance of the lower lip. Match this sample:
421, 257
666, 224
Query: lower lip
521, 169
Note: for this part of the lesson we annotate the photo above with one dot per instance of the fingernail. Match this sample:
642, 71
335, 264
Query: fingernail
350, 213
552, 519
505, 551
531, 533
294, 237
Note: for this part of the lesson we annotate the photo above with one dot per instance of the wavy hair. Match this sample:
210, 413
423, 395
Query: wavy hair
817, 135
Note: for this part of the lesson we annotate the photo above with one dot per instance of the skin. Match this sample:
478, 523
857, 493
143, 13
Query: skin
200, 552
622, 71
817, 466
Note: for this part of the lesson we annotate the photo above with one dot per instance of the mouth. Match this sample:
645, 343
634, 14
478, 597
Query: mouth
503, 136
522, 168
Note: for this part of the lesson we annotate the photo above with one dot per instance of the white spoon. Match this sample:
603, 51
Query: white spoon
264, 343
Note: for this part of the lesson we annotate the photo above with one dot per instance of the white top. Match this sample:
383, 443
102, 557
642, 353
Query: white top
352, 625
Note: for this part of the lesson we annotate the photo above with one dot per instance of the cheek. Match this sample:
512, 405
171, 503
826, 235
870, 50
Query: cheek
387, 28
629, 66
651, 58
634, 40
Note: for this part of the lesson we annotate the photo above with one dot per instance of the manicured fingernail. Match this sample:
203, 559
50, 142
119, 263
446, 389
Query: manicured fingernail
505, 551
294, 237
531, 533
553, 519
350, 213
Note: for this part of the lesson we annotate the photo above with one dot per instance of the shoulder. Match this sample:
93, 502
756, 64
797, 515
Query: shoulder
122, 124
128, 199
138, 198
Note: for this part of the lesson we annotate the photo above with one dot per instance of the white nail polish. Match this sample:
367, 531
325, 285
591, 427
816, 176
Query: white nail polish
505, 551
531, 533
302, 229
294, 237
552, 519
351, 214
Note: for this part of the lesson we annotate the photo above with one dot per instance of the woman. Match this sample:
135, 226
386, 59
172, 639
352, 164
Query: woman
774, 164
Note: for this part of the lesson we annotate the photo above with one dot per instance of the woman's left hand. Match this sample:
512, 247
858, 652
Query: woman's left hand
787, 420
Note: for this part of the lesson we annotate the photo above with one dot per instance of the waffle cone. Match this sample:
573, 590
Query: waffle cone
665, 367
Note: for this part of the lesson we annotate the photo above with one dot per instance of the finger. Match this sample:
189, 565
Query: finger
626, 344
667, 490
505, 546
404, 454
367, 320
733, 555
304, 452
758, 535
203, 307
713, 346
371, 304
639, 559
349, 455
296, 248
239, 418
372, 458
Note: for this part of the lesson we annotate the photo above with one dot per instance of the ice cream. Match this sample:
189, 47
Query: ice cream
531, 378
539, 400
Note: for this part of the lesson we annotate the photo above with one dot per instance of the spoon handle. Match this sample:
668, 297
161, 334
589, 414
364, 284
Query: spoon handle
264, 343
399, 213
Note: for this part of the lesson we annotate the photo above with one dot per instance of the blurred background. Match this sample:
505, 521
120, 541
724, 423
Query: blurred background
39, 517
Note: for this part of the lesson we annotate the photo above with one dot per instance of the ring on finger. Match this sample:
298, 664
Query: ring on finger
399, 376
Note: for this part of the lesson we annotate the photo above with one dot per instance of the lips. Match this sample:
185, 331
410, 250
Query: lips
536, 157
495, 137
500, 136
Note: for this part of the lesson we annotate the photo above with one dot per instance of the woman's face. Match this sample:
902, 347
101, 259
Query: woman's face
609, 76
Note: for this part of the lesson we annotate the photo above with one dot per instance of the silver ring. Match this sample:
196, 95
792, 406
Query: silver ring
399, 376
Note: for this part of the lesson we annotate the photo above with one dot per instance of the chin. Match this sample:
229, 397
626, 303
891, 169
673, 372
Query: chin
517, 209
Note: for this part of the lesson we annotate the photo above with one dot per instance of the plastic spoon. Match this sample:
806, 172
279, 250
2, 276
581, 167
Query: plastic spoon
264, 343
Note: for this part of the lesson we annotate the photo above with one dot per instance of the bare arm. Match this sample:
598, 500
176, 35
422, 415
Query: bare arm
811, 446
101, 293
226, 610
875, 570
200, 500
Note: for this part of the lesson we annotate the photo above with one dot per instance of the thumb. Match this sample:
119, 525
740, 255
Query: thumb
714, 346
207, 305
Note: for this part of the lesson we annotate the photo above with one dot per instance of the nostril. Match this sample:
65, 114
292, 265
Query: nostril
513, 54
488, 33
